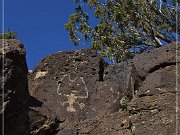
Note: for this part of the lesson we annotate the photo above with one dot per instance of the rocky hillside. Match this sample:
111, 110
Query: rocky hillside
77, 93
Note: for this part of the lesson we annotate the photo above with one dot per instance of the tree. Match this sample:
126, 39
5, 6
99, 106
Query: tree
125, 26
8, 35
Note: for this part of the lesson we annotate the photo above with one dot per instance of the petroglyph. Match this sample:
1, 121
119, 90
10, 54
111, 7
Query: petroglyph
40, 74
72, 97
70, 90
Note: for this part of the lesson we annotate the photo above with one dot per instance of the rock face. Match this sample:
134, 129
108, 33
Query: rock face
71, 88
15, 88
77, 93
153, 109
149, 80
19, 119
89, 97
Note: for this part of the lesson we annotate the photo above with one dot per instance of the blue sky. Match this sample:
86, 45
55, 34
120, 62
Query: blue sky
40, 26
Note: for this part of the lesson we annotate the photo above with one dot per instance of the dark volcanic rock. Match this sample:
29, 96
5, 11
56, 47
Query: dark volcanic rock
71, 88
75, 89
154, 107
42, 125
148, 62
153, 110
18, 118
135, 97
150, 80
115, 124
15, 88
124, 74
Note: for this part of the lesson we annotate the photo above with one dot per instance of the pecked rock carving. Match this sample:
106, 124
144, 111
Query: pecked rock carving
72, 97
40, 74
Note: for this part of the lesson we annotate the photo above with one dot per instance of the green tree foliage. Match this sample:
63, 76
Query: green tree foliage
124, 24
8, 35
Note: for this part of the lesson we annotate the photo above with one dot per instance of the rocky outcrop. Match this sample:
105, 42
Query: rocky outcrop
15, 89
77, 93
89, 97
150, 81
71, 88
153, 108
17, 116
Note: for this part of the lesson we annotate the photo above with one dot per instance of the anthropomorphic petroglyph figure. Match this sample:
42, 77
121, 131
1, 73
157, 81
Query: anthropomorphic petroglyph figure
72, 97
71, 100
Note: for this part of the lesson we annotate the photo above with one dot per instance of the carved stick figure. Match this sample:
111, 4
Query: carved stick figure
71, 98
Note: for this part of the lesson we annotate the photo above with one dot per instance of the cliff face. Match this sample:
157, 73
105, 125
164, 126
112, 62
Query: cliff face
75, 93
15, 88
19, 119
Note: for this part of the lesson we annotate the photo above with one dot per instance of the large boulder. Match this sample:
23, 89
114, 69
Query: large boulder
70, 85
154, 108
151, 82
18, 118
14, 90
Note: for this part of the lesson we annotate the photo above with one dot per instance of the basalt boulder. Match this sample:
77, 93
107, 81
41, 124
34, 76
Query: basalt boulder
14, 90
90, 97
18, 117
70, 85
151, 82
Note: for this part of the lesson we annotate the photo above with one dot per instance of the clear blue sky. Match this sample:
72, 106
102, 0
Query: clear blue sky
40, 26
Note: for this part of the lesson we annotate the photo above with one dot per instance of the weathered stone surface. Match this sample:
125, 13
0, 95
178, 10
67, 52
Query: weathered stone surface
41, 125
75, 93
133, 97
15, 87
149, 80
18, 118
124, 74
115, 124
154, 107
15, 69
148, 62
70, 86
